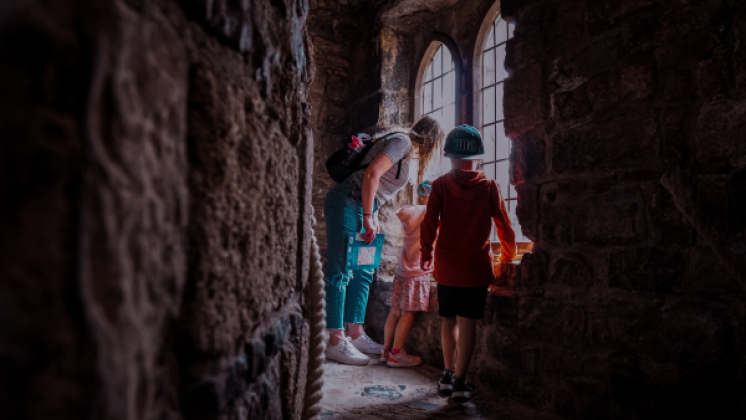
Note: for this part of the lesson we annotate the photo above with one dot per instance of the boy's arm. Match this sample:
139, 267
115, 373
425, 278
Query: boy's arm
504, 227
430, 224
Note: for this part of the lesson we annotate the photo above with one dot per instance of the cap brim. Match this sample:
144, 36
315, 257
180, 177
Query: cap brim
464, 157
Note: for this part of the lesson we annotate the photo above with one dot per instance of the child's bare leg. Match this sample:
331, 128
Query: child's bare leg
467, 336
390, 327
449, 334
402, 328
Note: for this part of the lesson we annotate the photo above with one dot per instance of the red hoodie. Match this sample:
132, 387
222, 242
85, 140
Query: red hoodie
463, 205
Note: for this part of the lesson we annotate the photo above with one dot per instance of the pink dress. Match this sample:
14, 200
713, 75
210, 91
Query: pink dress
411, 288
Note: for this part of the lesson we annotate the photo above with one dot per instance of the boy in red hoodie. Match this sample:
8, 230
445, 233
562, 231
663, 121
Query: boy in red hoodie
463, 205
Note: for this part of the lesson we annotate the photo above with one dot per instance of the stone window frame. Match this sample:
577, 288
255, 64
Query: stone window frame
435, 43
477, 74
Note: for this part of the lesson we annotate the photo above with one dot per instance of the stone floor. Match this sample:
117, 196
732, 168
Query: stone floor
376, 391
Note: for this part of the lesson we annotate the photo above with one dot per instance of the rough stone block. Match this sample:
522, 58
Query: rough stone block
602, 15
525, 50
555, 227
256, 358
541, 319
507, 351
713, 75
679, 38
625, 140
713, 201
649, 270
684, 333
528, 209
329, 47
366, 66
666, 224
616, 218
337, 88
334, 118
523, 103
676, 141
366, 113
317, 88
534, 272
528, 156
629, 84
707, 276
739, 51
572, 270
678, 86
720, 130
570, 104
603, 54
557, 201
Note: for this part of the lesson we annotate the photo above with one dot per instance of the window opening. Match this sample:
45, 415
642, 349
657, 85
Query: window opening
497, 145
439, 101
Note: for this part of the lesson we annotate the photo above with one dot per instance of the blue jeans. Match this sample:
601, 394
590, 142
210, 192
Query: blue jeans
344, 216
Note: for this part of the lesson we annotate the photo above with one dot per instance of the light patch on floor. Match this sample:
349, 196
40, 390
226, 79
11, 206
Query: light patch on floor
376, 391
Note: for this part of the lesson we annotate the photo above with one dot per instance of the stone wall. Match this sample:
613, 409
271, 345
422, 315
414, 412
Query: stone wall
156, 215
332, 28
348, 95
627, 128
619, 113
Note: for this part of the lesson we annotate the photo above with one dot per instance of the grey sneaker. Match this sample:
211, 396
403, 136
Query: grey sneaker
366, 344
446, 380
462, 389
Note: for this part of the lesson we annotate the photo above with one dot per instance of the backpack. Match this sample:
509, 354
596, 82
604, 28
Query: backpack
345, 162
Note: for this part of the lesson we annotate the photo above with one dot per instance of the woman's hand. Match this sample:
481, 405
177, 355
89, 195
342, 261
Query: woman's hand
371, 228
377, 168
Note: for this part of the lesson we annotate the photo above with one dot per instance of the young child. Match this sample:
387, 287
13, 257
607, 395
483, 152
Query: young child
463, 204
410, 291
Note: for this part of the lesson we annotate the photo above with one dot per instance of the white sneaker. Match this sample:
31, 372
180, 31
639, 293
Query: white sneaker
403, 360
366, 344
345, 353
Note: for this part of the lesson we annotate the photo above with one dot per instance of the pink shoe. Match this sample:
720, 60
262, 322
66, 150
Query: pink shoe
403, 360
384, 356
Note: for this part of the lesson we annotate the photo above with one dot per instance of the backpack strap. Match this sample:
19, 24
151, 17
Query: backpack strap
365, 166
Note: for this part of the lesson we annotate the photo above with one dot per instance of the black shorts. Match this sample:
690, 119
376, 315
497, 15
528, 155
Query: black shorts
466, 302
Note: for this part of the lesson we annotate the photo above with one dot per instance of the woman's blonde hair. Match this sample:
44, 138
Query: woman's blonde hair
427, 134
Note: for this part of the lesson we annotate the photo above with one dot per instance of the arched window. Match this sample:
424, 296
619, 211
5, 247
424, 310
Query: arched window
497, 145
437, 97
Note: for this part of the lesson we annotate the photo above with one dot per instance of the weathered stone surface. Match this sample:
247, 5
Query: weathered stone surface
615, 218
570, 104
528, 209
534, 272
713, 75
530, 112
666, 226
628, 139
541, 319
602, 15
161, 151
572, 270
528, 156
650, 270
720, 130
712, 193
632, 83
